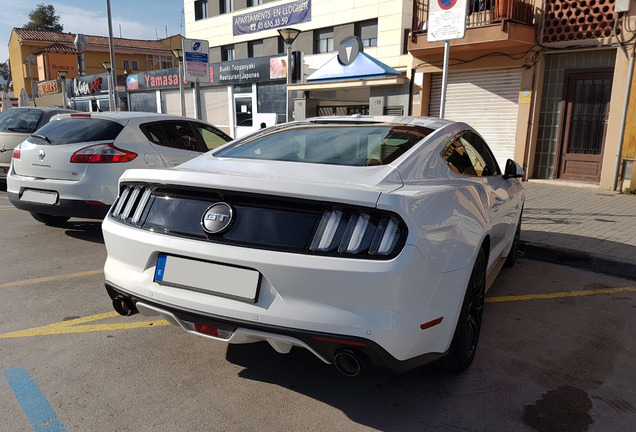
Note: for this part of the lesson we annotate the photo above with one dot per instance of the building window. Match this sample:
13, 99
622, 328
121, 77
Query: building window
226, 6
200, 9
407, 35
367, 31
251, 3
282, 48
227, 53
126, 64
158, 62
255, 48
135, 65
323, 41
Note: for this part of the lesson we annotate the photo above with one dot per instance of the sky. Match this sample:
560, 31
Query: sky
131, 19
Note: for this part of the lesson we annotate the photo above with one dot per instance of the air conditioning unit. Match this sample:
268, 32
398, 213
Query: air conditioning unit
622, 5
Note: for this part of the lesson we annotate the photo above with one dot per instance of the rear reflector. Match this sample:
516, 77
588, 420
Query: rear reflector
212, 331
102, 153
431, 323
94, 203
338, 341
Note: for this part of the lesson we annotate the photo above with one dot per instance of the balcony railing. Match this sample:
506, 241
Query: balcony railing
480, 13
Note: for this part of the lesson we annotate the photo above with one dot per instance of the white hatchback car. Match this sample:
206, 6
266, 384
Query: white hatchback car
70, 167
360, 239
16, 125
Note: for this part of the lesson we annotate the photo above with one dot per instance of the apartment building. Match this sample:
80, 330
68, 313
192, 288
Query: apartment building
243, 38
544, 81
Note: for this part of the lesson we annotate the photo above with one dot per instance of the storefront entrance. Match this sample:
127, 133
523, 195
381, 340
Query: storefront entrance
583, 122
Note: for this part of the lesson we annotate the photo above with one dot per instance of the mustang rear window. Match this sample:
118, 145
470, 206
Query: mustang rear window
80, 129
351, 144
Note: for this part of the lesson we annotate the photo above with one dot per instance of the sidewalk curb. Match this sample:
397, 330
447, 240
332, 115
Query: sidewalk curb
577, 259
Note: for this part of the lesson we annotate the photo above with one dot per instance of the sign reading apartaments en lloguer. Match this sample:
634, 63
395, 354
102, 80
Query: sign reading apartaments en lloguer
446, 20
274, 17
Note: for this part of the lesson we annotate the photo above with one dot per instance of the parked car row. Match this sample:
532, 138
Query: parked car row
364, 240
70, 166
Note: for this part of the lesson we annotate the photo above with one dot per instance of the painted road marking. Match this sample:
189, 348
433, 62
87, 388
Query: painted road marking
71, 326
559, 295
33, 403
50, 278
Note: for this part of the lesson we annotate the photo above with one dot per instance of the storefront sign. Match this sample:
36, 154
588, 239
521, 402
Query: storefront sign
155, 79
48, 88
274, 17
254, 70
92, 85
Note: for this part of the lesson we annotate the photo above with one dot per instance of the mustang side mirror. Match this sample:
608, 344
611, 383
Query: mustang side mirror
513, 170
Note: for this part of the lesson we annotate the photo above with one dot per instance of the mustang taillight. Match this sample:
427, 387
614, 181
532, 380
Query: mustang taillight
102, 153
357, 233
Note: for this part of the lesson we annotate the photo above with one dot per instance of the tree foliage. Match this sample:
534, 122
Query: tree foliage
43, 18
4, 71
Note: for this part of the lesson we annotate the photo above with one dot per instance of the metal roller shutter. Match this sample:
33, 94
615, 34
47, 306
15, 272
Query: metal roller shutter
488, 100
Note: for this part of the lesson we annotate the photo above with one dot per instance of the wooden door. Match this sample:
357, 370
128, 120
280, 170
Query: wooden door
583, 123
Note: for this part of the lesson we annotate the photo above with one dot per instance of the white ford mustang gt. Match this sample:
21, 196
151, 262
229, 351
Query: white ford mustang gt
361, 239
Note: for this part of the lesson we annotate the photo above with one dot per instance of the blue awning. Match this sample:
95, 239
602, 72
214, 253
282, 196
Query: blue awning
364, 66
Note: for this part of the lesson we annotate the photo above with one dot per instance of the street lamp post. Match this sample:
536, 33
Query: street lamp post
111, 88
178, 53
62, 75
289, 35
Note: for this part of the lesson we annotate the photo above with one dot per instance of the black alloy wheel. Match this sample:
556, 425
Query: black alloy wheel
464, 343
50, 220
511, 259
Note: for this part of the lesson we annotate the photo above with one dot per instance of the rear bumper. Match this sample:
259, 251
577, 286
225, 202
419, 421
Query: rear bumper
322, 345
64, 207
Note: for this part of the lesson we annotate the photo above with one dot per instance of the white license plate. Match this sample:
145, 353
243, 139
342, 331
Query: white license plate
39, 196
226, 281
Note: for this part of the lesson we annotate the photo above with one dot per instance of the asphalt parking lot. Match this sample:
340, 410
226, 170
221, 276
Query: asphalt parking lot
557, 353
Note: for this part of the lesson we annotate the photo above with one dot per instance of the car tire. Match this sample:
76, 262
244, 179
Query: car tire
464, 344
511, 259
50, 220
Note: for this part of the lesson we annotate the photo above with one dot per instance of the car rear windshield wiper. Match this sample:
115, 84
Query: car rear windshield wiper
42, 137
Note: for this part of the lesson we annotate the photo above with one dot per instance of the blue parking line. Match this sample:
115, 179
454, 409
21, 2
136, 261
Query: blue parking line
33, 403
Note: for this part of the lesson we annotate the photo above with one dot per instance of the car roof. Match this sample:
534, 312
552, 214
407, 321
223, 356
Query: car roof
125, 116
429, 122
43, 109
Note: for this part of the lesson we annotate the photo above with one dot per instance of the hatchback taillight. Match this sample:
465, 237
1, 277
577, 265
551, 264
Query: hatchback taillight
102, 153
16, 151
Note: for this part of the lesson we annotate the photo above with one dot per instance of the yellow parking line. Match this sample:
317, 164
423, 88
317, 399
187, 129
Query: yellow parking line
72, 326
49, 279
559, 295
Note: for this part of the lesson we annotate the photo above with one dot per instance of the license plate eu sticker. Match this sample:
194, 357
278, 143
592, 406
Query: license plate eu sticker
207, 277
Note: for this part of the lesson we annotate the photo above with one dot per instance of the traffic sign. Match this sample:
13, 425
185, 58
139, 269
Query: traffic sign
446, 20
195, 60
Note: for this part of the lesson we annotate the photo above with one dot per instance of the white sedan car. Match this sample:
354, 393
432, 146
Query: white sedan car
70, 167
362, 239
